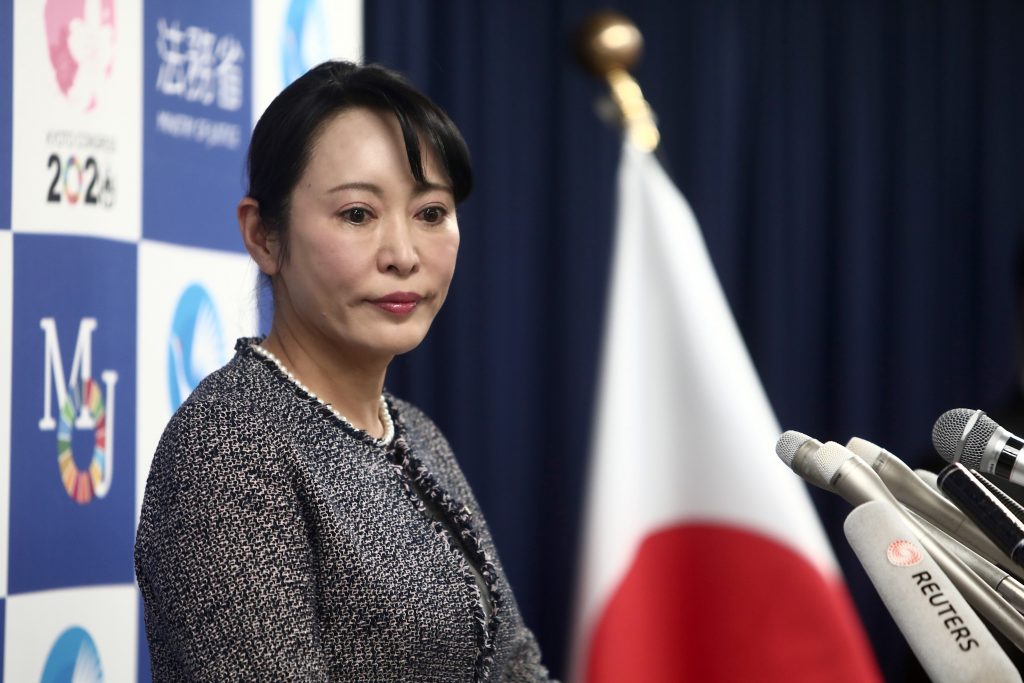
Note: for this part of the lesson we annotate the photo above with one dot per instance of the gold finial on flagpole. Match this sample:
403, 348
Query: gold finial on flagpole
608, 44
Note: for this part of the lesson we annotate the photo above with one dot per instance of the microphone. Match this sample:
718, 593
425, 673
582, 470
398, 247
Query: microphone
973, 438
1005, 498
837, 469
797, 450
940, 517
924, 500
999, 579
929, 477
957, 482
832, 467
949, 639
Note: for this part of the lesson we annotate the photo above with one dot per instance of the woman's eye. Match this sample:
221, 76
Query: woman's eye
356, 215
433, 214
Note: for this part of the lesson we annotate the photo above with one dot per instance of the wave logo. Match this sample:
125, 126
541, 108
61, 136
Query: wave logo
196, 344
80, 35
81, 405
306, 40
903, 554
73, 659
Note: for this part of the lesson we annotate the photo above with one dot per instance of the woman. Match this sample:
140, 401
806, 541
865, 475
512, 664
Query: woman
299, 523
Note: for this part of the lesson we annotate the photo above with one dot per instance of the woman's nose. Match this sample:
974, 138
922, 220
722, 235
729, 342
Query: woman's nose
398, 252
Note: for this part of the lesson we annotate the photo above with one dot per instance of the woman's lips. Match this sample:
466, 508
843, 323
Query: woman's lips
399, 303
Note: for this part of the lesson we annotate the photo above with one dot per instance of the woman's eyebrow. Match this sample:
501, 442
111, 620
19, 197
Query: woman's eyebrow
421, 188
369, 187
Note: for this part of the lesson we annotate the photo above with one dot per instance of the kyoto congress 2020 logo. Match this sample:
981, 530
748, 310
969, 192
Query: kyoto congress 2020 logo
81, 404
81, 42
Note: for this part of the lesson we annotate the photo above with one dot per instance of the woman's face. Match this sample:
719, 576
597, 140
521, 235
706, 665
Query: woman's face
370, 252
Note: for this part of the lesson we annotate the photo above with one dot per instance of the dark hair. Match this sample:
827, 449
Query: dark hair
283, 137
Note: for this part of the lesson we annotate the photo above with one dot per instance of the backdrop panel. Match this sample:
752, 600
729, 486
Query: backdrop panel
118, 120
76, 118
193, 305
71, 635
198, 59
290, 36
6, 304
73, 435
6, 71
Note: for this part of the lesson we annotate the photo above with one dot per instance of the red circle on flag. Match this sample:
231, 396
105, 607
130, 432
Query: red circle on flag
710, 603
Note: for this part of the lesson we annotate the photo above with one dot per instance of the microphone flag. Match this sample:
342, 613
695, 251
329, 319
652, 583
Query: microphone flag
702, 556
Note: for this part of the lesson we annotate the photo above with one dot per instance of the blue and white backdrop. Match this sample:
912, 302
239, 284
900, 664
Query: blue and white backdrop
122, 282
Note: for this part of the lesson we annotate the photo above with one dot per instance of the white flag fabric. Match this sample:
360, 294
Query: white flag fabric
703, 558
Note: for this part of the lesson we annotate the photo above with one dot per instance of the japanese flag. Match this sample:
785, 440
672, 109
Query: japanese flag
703, 558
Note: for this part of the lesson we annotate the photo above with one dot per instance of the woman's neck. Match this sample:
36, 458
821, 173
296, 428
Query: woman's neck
351, 386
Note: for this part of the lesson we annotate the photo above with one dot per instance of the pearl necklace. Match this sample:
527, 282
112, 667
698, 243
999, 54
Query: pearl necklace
385, 415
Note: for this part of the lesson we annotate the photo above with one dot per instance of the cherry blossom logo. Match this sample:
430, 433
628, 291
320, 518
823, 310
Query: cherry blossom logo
80, 35
903, 554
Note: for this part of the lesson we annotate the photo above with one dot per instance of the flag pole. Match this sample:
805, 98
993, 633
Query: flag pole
608, 44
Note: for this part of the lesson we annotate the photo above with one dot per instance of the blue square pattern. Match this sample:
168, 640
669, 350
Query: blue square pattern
73, 425
197, 118
6, 82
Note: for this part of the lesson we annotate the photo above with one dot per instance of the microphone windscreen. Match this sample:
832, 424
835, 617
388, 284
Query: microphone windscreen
960, 435
949, 639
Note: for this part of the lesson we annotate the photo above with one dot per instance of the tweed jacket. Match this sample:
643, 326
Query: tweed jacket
279, 543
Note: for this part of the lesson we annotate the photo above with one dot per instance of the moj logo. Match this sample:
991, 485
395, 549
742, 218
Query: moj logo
81, 405
195, 347
74, 658
306, 38
80, 35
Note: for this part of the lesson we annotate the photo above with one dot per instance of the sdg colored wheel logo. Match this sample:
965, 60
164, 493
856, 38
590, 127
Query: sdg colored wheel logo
82, 485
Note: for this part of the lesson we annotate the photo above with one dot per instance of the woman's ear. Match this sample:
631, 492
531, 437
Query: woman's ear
263, 245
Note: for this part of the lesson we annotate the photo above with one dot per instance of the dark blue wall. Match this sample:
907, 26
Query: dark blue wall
857, 172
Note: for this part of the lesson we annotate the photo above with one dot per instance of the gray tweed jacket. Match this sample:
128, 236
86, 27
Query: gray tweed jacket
278, 543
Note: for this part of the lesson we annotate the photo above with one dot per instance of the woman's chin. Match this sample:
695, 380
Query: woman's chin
395, 345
